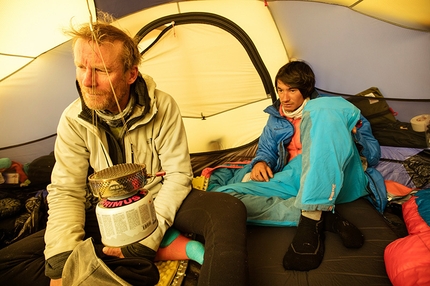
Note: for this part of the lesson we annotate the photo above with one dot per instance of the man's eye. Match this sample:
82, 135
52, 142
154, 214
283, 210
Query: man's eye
103, 71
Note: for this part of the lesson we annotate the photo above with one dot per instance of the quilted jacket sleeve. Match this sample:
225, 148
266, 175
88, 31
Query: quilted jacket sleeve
407, 259
371, 149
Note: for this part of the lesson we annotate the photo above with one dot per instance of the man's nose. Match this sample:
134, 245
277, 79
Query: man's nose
88, 79
284, 96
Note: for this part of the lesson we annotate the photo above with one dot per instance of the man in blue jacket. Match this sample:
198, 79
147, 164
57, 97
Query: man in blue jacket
307, 162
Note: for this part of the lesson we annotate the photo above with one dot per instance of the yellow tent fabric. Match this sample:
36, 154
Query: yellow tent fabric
351, 45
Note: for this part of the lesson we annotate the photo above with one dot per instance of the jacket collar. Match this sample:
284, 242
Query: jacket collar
274, 108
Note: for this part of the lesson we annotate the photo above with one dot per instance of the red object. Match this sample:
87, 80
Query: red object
176, 250
17, 168
393, 112
407, 259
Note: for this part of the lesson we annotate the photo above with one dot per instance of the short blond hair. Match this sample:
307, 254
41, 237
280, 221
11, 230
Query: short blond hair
103, 32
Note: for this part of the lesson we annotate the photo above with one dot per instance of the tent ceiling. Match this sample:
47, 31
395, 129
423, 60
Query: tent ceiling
29, 28
411, 14
33, 27
36, 65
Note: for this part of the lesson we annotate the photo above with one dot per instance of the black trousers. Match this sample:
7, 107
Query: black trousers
217, 217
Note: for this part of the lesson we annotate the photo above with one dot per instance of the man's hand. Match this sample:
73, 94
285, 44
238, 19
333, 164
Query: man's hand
110, 251
261, 172
113, 251
56, 282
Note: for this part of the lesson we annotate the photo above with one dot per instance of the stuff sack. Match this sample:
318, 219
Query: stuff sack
418, 168
399, 134
373, 106
385, 127
40, 169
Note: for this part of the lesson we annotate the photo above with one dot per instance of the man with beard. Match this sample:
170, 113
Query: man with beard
121, 117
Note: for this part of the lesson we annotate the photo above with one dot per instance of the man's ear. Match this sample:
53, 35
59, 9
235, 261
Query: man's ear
133, 73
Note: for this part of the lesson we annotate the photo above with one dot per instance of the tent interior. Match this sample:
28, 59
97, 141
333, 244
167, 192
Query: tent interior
220, 71
351, 45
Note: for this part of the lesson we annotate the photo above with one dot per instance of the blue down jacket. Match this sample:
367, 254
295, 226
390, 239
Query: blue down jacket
280, 130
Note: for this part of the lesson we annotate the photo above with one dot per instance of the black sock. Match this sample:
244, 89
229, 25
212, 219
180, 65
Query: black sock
351, 236
306, 251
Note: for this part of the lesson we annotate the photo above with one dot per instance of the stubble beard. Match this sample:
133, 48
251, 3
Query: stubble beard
99, 100
102, 99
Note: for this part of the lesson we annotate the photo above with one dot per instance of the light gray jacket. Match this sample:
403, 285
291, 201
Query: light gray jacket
159, 141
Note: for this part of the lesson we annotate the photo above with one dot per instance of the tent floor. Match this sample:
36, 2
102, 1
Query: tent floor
340, 266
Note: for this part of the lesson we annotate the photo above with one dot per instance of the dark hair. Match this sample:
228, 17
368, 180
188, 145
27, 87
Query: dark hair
103, 32
297, 74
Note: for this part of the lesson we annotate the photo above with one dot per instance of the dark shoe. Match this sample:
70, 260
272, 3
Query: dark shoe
306, 251
351, 236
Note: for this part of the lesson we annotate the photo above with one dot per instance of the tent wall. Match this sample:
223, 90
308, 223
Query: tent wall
351, 52
247, 122
209, 73
33, 99
27, 152
31, 102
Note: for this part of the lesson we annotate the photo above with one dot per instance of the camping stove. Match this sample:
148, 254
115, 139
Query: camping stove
125, 212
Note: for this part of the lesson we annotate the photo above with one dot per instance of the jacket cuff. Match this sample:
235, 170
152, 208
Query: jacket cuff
54, 265
138, 250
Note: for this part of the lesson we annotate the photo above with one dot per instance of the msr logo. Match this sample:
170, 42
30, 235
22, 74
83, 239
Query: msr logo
115, 186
